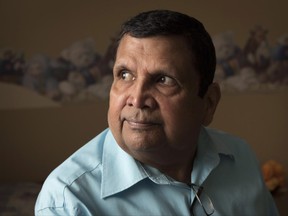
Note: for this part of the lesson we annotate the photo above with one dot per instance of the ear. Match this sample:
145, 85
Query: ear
211, 100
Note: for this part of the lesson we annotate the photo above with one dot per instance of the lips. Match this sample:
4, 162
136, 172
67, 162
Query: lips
141, 124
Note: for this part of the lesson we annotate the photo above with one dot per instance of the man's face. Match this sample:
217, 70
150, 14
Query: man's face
155, 111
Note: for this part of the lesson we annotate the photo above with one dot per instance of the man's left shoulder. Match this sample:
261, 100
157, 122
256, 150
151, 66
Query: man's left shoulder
230, 144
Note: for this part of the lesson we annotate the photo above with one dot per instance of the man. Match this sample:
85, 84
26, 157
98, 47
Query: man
158, 157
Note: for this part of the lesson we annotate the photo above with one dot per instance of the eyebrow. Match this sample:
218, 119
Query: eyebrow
120, 66
122, 63
166, 70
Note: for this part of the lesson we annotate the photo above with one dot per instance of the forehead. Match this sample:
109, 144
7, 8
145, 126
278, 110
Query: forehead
170, 44
171, 51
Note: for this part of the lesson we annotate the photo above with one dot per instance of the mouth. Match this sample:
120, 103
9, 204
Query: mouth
141, 125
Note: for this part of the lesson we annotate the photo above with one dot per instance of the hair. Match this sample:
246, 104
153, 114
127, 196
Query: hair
169, 23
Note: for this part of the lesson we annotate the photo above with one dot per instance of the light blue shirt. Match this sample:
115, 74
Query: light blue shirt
101, 179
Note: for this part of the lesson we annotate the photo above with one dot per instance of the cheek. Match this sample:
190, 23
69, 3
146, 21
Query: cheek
183, 114
116, 104
117, 98
171, 114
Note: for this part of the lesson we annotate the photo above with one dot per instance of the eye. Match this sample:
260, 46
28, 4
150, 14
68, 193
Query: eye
166, 80
125, 75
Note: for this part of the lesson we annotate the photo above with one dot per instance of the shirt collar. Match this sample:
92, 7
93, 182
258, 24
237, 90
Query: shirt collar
115, 164
210, 152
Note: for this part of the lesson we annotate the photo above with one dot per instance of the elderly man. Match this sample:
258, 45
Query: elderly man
158, 157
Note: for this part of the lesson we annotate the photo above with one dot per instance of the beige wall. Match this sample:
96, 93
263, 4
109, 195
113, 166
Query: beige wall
260, 118
49, 26
33, 141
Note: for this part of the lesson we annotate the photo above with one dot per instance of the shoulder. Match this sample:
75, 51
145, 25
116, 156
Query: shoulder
242, 173
85, 161
219, 135
230, 146
228, 143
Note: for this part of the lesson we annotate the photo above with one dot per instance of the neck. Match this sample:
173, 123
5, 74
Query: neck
179, 172
175, 164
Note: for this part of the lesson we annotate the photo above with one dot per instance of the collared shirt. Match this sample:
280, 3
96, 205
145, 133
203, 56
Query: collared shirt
101, 179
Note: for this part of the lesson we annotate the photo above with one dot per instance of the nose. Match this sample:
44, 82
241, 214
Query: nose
141, 95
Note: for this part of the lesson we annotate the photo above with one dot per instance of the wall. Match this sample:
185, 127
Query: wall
36, 140
49, 26
261, 119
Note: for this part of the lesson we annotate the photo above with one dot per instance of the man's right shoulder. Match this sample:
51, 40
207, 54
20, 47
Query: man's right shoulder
84, 161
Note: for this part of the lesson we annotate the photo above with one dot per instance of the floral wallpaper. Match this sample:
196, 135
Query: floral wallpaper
81, 73
258, 65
